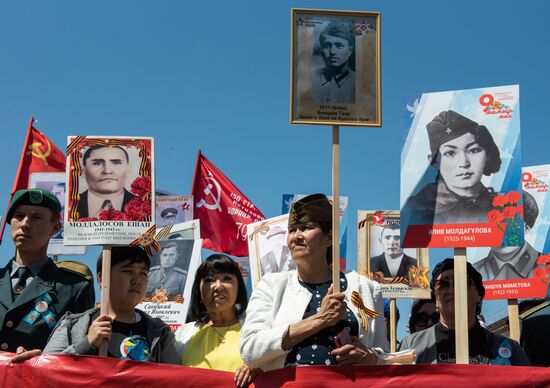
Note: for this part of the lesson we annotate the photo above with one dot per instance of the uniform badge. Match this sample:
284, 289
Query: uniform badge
41, 309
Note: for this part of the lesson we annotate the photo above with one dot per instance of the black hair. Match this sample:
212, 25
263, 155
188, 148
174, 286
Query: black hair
170, 245
530, 209
96, 147
417, 305
214, 264
120, 254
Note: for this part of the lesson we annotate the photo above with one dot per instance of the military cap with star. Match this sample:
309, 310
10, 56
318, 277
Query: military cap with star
313, 208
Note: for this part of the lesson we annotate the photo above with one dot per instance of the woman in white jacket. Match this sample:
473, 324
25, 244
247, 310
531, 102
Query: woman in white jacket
295, 318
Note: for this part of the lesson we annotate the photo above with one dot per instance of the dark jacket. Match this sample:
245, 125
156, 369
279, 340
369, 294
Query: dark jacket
71, 337
378, 264
68, 291
82, 206
436, 204
424, 343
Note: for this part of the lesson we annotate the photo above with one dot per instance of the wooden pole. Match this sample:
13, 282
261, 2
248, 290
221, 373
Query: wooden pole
513, 319
461, 306
105, 290
336, 208
393, 326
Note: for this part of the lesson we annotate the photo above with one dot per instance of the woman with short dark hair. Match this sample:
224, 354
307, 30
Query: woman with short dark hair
217, 307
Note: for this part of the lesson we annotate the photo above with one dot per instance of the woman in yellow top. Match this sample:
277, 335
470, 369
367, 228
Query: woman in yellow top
218, 304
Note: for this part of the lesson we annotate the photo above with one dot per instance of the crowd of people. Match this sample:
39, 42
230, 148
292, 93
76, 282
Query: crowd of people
293, 318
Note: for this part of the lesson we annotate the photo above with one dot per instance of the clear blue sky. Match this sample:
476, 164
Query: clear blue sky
215, 76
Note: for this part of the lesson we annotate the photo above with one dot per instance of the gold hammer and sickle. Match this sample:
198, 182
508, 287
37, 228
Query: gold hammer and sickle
36, 151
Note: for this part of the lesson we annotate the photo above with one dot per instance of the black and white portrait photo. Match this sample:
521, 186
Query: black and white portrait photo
170, 267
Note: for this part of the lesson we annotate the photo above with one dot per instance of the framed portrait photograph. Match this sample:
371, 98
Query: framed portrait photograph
170, 280
267, 247
402, 273
335, 68
522, 271
110, 189
189, 230
461, 169
55, 183
173, 209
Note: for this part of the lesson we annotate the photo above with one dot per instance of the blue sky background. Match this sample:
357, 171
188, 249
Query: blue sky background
215, 76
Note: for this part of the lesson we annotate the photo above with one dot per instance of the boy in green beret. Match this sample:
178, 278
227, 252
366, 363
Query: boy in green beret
34, 292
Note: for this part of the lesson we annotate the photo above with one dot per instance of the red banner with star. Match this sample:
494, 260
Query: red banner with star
223, 210
39, 155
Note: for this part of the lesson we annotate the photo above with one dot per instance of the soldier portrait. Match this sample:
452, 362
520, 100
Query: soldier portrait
335, 68
170, 266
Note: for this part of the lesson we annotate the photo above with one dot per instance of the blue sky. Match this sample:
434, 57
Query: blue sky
215, 76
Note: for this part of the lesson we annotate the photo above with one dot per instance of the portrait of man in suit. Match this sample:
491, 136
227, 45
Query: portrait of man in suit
393, 261
106, 169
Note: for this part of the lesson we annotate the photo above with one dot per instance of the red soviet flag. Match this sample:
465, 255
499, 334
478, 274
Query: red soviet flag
39, 155
223, 211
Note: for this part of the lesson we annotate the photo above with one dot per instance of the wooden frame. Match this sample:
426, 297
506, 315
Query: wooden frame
352, 96
391, 287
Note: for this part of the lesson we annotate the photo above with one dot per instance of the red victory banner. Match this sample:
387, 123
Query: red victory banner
223, 211
39, 155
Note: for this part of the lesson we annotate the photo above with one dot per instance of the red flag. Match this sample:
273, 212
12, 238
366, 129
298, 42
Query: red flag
222, 209
39, 155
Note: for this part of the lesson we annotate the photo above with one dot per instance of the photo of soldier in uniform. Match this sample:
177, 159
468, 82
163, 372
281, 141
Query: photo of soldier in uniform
393, 261
173, 209
335, 80
170, 267
277, 257
507, 263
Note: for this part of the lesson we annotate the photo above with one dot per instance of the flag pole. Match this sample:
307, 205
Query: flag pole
14, 187
105, 291
461, 306
336, 208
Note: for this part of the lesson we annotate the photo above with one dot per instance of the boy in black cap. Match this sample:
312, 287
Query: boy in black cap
34, 291
436, 345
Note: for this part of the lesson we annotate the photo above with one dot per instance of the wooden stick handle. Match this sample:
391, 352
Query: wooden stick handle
461, 306
105, 290
393, 326
336, 208
513, 319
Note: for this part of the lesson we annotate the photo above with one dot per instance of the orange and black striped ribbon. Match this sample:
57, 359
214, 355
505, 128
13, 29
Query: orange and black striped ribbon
364, 311
147, 240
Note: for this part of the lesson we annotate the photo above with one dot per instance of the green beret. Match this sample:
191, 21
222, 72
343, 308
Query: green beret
313, 208
34, 197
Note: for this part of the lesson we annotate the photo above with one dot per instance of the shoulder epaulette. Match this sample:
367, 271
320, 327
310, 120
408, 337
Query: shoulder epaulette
75, 267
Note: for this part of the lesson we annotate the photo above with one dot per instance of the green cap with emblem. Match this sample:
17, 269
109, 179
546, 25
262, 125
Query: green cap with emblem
34, 197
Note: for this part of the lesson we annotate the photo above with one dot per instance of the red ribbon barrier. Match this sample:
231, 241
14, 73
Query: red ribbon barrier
63, 371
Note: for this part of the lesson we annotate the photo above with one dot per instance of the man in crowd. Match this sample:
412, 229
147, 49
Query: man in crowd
437, 343
506, 263
167, 275
106, 169
34, 291
393, 262
336, 81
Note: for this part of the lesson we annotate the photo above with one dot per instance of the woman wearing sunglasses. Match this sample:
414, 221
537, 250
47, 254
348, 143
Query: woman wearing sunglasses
423, 315
436, 345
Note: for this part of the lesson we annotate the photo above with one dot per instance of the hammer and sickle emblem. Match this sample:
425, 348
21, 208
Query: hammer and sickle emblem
208, 191
35, 150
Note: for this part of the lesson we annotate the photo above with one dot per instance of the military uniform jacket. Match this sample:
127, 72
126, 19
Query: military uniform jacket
68, 292
171, 280
378, 264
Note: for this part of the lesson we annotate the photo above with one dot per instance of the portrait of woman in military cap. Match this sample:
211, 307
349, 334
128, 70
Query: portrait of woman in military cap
462, 151
461, 169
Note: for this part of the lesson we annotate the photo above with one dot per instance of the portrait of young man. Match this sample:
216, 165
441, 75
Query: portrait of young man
106, 170
393, 261
335, 82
